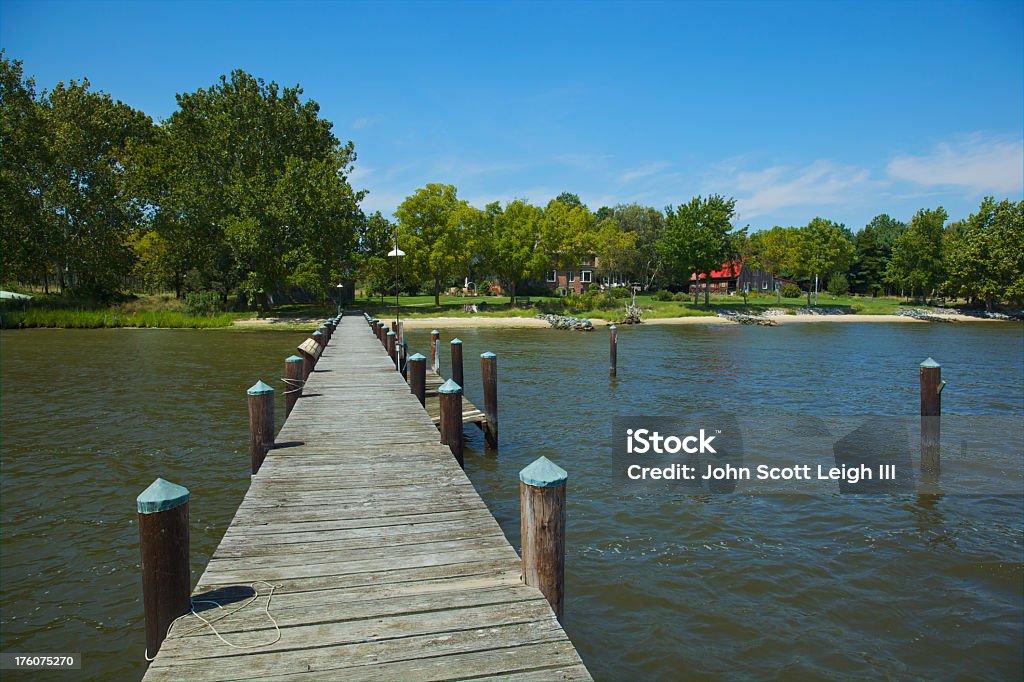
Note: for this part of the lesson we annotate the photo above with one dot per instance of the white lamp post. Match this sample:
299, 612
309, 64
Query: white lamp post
396, 253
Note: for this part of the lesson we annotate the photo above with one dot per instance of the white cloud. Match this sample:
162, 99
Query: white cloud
821, 183
979, 164
361, 122
644, 171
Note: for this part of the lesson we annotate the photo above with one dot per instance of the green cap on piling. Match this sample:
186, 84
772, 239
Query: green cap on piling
543, 473
317, 333
293, 358
259, 388
416, 358
435, 332
930, 364
488, 355
391, 332
449, 387
613, 327
456, 342
161, 496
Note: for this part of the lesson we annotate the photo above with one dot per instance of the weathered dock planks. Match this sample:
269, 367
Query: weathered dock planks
385, 562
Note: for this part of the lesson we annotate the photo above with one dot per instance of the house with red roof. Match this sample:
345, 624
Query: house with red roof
736, 276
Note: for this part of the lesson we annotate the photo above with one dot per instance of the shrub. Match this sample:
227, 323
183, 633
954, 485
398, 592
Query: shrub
679, 296
484, 289
838, 285
791, 291
202, 303
663, 295
620, 292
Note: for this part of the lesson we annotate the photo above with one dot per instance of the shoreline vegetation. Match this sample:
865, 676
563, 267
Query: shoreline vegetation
418, 312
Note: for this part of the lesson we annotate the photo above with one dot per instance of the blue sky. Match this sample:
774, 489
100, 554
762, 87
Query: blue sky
796, 109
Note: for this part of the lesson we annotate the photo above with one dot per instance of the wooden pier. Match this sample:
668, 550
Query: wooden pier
362, 552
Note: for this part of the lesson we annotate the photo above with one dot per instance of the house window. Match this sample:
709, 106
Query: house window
571, 276
764, 286
586, 276
552, 275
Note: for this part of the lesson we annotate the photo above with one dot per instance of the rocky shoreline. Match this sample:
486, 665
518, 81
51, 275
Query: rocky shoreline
580, 324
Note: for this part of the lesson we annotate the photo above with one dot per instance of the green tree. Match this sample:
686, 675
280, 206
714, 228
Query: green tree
253, 188
569, 232
985, 259
646, 225
437, 220
92, 143
823, 250
616, 248
917, 264
23, 253
513, 245
872, 253
698, 238
775, 251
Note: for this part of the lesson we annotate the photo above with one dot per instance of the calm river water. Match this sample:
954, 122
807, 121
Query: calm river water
659, 585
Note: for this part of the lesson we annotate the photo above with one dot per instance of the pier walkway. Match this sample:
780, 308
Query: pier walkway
378, 557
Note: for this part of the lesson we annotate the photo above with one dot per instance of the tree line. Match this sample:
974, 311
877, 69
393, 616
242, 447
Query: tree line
244, 191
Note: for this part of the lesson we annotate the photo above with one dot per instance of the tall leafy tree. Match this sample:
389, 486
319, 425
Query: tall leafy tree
916, 264
513, 243
569, 230
698, 238
23, 162
985, 258
824, 249
92, 144
872, 253
775, 250
646, 224
438, 223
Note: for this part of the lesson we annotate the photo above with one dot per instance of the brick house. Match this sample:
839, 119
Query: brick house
572, 281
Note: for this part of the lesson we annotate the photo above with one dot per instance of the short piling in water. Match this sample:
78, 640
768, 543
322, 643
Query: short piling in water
163, 544
392, 347
489, 374
613, 350
457, 374
450, 396
261, 422
542, 511
417, 375
931, 411
435, 350
293, 382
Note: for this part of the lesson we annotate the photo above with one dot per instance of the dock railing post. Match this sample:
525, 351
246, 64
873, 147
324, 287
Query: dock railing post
326, 331
261, 422
542, 511
435, 350
489, 374
613, 350
318, 336
293, 382
457, 374
450, 398
403, 357
163, 544
417, 365
931, 411
392, 347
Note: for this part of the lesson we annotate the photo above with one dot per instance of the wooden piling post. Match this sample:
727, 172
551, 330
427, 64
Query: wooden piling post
325, 334
542, 512
293, 382
435, 350
457, 375
489, 374
319, 338
403, 356
931, 411
417, 374
391, 346
163, 544
261, 422
450, 396
394, 326
613, 350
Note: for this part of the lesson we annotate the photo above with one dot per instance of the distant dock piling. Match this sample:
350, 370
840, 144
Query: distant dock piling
613, 350
542, 511
931, 416
164, 547
489, 375
450, 395
261, 422
293, 382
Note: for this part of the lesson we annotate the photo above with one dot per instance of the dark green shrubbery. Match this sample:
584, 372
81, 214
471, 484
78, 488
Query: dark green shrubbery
663, 295
790, 291
202, 303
